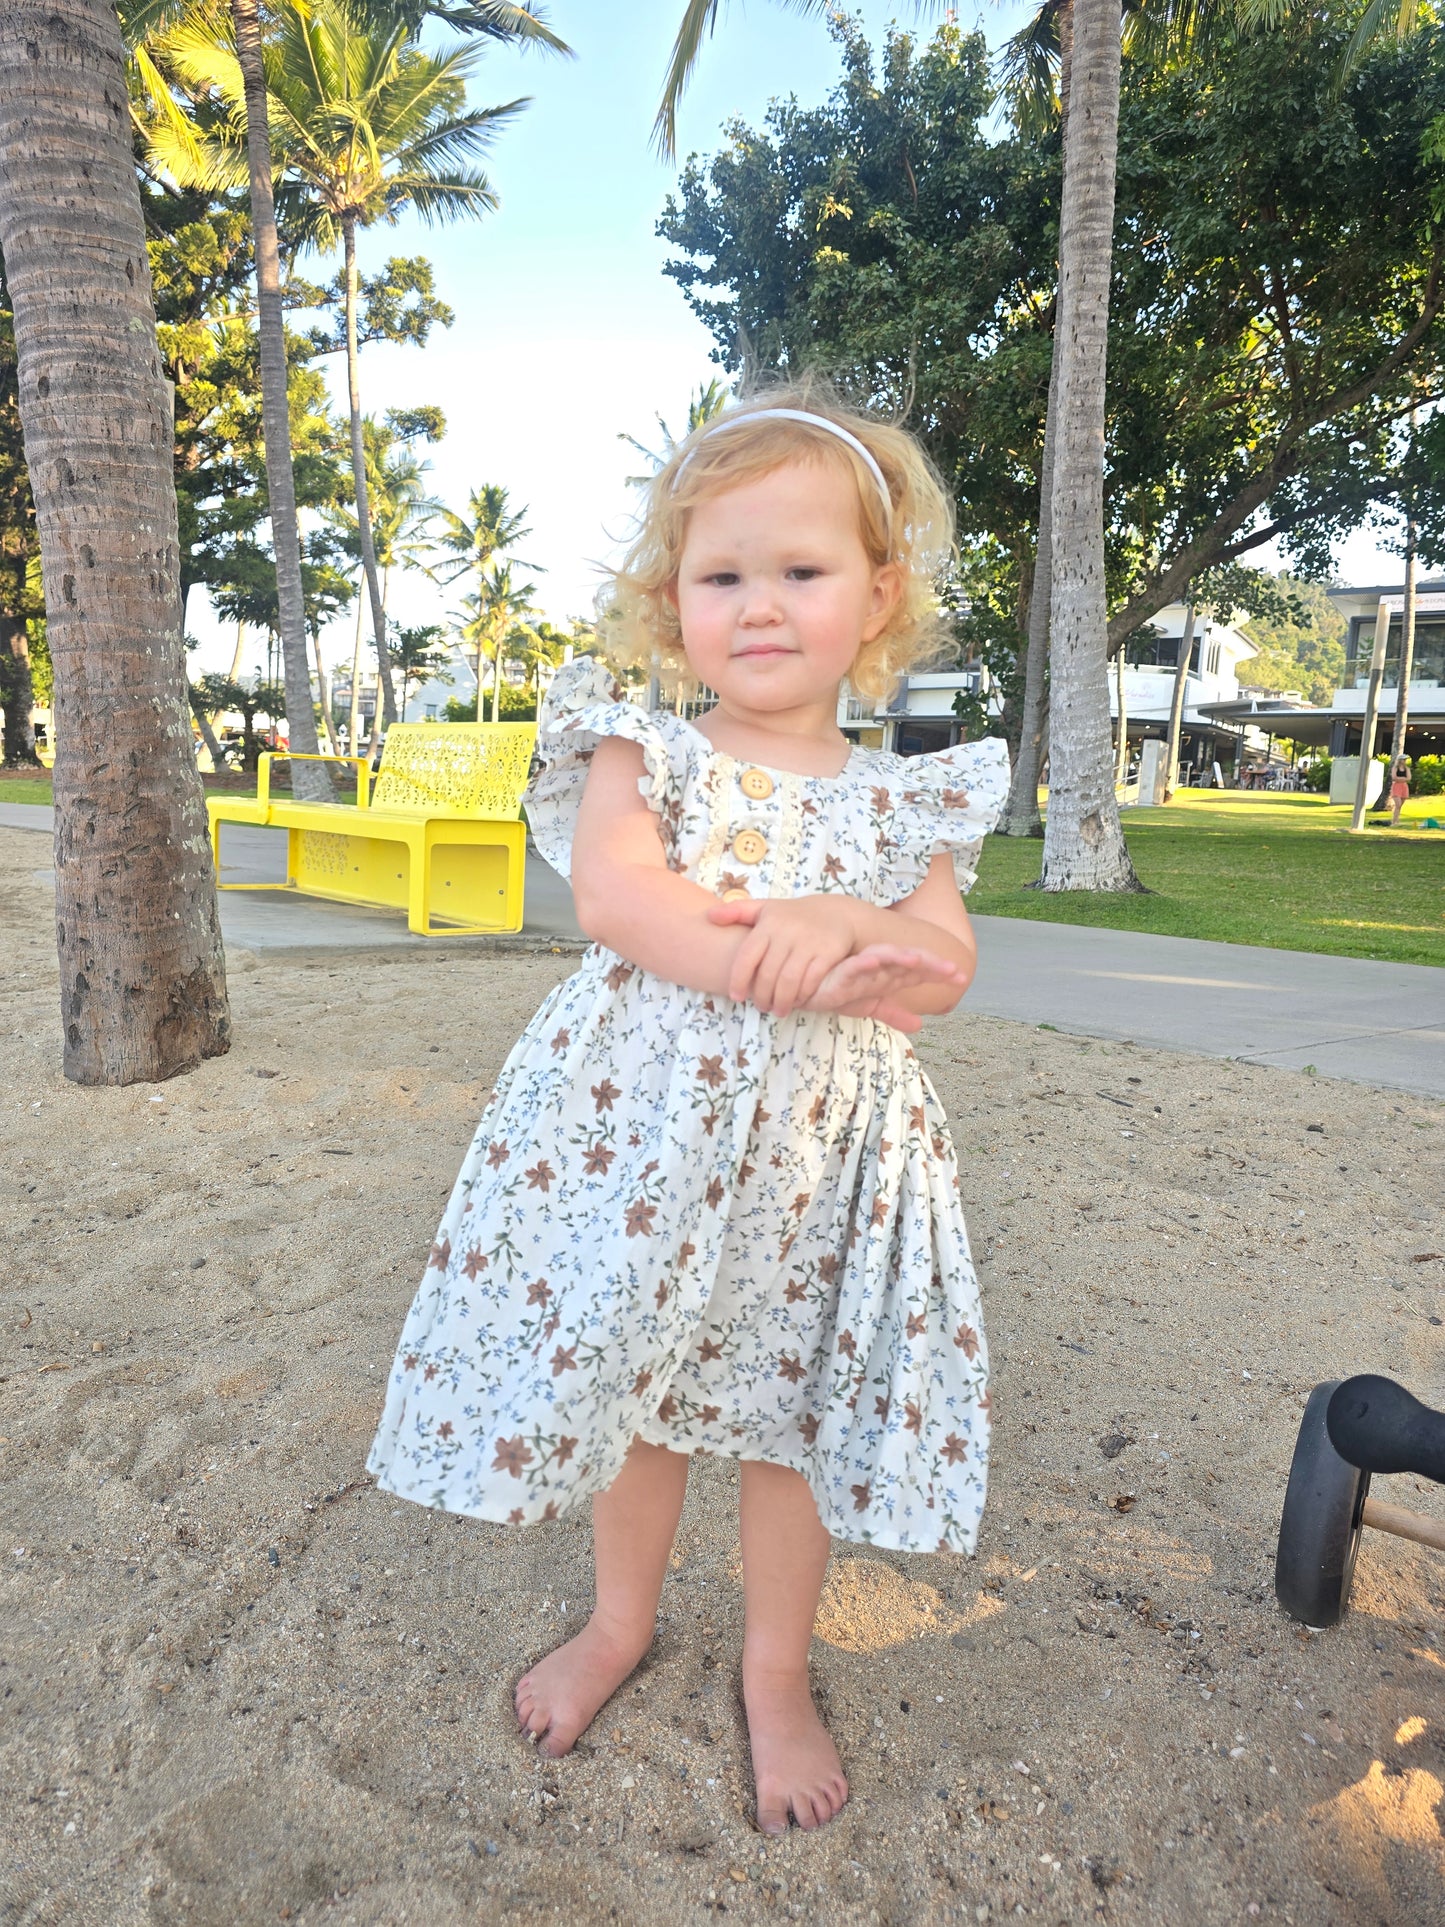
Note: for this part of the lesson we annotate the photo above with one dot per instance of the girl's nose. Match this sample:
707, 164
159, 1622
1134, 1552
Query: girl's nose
760, 607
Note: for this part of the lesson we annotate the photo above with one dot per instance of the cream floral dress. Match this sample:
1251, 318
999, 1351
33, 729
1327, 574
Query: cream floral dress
687, 1220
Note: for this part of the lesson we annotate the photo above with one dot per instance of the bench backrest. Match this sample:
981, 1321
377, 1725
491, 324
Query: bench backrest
455, 769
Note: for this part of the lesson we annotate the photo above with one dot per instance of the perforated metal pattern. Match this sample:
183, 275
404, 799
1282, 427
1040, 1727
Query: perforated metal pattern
455, 769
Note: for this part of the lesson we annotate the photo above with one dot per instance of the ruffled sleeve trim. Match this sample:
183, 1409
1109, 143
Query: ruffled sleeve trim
584, 704
948, 801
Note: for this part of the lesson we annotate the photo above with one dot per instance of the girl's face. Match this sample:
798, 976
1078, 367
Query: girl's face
775, 591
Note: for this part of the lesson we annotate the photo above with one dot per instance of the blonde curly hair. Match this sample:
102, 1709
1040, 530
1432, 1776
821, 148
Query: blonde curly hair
638, 618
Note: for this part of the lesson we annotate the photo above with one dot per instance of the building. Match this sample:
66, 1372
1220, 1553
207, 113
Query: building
1149, 671
919, 715
1338, 727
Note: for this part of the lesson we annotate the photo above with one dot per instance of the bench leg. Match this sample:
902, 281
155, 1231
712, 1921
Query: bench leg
418, 885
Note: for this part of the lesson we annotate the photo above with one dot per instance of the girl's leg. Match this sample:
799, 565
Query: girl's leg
633, 1525
785, 1554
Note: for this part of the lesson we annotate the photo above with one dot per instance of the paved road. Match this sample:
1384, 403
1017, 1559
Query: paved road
1375, 1023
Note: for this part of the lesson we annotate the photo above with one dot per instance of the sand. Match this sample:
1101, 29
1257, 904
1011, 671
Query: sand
240, 1685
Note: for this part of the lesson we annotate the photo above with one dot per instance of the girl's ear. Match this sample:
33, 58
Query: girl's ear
669, 591
887, 594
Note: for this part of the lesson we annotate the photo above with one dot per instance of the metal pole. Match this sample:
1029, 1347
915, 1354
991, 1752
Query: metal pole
1372, 712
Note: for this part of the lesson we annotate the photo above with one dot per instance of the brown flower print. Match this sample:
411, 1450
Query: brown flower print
639, 1218
512, 1456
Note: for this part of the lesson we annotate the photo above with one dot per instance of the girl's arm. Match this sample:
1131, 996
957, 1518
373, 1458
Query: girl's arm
773, 967
626, 897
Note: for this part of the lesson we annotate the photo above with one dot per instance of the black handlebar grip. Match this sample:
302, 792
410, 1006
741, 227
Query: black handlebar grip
1377, 1425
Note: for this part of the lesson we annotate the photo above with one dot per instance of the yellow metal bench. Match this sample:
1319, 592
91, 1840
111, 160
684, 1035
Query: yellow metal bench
437, 834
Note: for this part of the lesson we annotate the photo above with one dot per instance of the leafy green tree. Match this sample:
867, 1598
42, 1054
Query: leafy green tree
215, 694
1301, 649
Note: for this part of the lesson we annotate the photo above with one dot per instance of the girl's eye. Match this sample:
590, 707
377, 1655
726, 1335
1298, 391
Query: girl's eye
722, 579
803, 574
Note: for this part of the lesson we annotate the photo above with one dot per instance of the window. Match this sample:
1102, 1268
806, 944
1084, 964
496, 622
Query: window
431, 712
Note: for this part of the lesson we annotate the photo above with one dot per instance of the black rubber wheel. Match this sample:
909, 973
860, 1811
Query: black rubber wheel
1319, 1532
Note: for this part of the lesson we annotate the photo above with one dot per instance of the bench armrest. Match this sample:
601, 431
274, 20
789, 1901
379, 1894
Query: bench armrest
363, 771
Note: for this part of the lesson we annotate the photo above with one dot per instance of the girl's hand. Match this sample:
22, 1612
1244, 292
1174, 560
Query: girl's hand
869, 983
795, 942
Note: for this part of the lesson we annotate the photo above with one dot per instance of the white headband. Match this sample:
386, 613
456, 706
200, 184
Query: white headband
792, 415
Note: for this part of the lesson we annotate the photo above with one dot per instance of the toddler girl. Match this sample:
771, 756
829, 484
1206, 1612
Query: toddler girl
712, 1205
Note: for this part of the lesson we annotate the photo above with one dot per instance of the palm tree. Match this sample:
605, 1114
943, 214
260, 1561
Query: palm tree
172, 134
703, 406
1084, 847
142, 975
495, 609
364, 126
472, 549
401, 515
151, 27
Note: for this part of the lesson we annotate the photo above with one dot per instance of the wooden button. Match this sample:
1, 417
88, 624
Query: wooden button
749, 846
736, 896
757, 784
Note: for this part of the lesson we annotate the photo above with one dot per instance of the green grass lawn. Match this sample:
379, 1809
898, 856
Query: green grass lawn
18, 788
1252, 867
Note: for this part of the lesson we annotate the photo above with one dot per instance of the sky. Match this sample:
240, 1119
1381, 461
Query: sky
567, 334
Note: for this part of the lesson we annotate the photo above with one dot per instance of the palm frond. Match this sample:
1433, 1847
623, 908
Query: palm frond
1380, 19
1027, 70
492, 20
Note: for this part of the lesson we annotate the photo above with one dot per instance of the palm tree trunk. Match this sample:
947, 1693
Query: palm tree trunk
1021, 812
309, 780
1121, 748
1084, 846
387, 707
238, 651
1176, 704
208, 735
1407, 641
324, 696
142, 973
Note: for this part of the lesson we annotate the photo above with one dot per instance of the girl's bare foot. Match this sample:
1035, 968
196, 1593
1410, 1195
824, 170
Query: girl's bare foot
796, 1767
560, 1697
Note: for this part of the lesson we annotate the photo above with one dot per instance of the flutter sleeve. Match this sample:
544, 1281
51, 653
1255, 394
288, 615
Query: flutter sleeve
947, 801
584, 704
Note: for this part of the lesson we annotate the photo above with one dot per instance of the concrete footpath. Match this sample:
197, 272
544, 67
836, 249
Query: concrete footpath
1374, 1023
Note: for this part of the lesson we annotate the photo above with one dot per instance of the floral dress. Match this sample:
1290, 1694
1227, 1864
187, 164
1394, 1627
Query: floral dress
687, 1220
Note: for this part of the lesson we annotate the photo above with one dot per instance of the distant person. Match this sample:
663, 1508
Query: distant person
713, 1206
1399, 788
